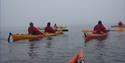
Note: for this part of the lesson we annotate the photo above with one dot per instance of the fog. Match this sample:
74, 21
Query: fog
62, 12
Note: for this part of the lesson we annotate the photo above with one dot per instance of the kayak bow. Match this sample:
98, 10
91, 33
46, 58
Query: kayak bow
78, 58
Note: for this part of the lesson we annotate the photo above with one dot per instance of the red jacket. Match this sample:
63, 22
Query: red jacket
99, 28
34, 31
49, 30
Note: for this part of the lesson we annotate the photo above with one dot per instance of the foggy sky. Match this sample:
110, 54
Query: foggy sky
62, 12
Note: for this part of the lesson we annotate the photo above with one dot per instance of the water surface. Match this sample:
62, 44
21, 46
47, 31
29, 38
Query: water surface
61, 48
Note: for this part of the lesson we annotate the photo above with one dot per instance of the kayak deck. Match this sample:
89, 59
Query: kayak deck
78, 58
53, 34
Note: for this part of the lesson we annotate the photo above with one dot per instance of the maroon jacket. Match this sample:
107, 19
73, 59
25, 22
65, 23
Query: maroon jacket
34, 31
120, 24
49, 29
99, 28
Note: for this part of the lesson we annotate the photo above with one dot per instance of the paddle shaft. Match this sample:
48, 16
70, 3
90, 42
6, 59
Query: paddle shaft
9, 36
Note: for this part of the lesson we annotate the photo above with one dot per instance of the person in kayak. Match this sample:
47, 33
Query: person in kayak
49, 29
99, 28
120, 24
33, 30
55, 27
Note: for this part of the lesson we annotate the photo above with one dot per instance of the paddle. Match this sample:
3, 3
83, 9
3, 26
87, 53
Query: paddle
9, 37
85, 35
117, 30
123, 26
65, 30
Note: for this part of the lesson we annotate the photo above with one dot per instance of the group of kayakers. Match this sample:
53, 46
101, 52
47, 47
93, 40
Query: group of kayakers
100, 28
35, 31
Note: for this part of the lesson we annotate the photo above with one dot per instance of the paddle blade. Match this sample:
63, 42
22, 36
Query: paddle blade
66, 30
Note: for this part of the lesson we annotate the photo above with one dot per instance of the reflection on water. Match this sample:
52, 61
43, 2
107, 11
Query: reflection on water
100, 51
48, 44
32, 50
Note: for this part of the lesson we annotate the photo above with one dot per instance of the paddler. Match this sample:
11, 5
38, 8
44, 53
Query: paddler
49, 29
99, 28
33, 30
120, 24
55, 27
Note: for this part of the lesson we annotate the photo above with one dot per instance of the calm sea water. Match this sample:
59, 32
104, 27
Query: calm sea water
61, 48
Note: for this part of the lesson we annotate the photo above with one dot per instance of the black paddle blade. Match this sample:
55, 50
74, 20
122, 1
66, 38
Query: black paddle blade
85, 35
9, 36
66, 30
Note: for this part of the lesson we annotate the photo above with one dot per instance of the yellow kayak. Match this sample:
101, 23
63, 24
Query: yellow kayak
59, 32
119, 29
17, 37
49, 34
53, 34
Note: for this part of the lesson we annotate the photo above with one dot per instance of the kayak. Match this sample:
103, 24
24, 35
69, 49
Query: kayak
59, 32
17, 37
119, 29
49, 34
46, 34
78, 57
90, 36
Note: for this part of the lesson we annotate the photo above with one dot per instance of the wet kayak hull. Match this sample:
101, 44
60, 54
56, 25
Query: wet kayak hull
17, 37
91, 36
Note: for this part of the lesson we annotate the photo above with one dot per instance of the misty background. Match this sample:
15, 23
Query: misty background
63, 12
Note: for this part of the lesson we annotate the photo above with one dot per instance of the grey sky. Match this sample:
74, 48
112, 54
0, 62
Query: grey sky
62, 12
